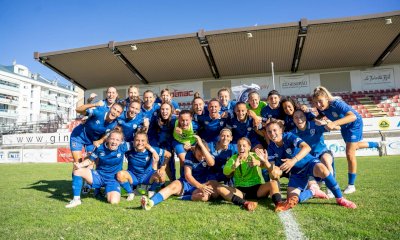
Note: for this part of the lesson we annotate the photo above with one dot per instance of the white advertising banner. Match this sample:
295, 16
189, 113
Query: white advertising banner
338, 148
39, 155
294, 85
381, 123
393, 146
377, 79
61, 138
183, 92
10, 156
265, 84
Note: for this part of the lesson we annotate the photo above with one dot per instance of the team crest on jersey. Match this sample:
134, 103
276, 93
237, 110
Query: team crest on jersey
221, 124
155, 114
312, 132
97, 121
249, 129
234, 126
353, 137
74, 144
206, 122
134, 126
296, 141
102, 154
270, 116
204, 164
289, 151
334, 114
147, 158
118, 155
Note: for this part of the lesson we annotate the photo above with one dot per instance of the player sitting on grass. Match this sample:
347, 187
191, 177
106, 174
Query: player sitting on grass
290, 153
193, 185
142, 167
245, 168
110, 157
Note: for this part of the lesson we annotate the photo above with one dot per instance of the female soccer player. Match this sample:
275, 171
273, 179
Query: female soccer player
351, 125
242, 125
290, 153
132, 120
149, 107
221, 151
313, 135
133, 93
110, 157
198, 106
166, 97
142, 167
160, 133
254, 104
184, 135
193, 185
213, 123
289, 107
224, 97
99, 123
245, 167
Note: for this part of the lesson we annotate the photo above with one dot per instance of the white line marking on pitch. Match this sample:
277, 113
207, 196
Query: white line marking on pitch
292, 229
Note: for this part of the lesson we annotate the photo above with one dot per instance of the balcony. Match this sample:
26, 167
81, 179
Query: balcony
4, 100
9, 90
48, 108
7, 113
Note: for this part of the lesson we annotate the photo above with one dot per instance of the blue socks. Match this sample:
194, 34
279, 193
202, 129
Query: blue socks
352, 178
127, 186
373, 144
157, 198
77, 182
305, 195
331, 183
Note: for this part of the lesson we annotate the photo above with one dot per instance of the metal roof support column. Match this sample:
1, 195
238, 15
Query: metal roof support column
387, 51
208, 54
301, 38
125, 61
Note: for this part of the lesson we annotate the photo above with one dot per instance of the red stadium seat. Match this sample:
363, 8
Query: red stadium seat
368, 115
380, 105
391, 114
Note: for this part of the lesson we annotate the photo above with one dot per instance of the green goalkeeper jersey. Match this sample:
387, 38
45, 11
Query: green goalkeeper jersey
244, 175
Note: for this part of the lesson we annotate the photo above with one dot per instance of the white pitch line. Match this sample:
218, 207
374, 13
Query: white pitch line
292, 229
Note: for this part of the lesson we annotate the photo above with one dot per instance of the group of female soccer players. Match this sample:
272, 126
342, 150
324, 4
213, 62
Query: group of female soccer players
237, 151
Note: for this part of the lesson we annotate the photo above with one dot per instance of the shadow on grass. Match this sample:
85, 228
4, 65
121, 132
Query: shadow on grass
59, 189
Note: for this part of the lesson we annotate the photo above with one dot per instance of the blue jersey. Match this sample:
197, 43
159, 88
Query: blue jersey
221, 156
230, 108
210, 128
96, 125
337, 110
313, 135
200, 170
267, 112
242, 129
140, 163
151, 112
130, 126
172, 102
161, 134
109, 162
289, 149
290, 125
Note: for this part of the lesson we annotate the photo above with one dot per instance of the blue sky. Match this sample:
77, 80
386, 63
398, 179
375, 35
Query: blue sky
45, 26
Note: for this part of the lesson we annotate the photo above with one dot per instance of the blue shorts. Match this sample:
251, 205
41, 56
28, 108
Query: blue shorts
143, 179
178, 147
77, 142
353, 134
99, 181
187, 188
299, 179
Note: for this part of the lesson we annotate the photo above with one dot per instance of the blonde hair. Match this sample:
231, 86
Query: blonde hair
225, 130
322, 91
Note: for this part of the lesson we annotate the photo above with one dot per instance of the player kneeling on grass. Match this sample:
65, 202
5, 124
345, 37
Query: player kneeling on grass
245, 168
142, 167
194, 185
110, 157
291, 153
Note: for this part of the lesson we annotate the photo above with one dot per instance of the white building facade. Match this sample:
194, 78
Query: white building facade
30, 98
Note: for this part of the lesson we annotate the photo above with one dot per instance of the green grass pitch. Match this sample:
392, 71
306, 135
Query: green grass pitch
33, 196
